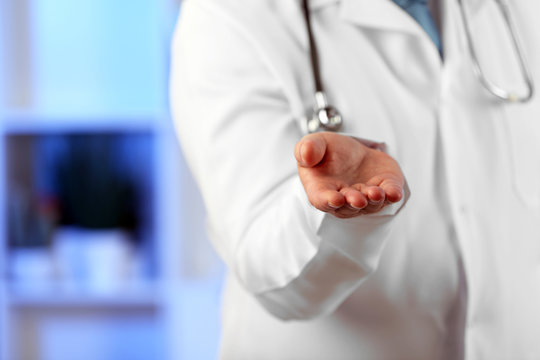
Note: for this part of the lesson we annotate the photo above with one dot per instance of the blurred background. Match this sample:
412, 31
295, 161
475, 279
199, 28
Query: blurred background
103, 252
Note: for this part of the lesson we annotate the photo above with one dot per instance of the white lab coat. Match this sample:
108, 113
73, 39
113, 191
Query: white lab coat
456, 274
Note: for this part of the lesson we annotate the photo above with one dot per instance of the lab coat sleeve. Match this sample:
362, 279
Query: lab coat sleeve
238, 134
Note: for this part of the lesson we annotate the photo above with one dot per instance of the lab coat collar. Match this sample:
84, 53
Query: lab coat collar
382, 14
317, 4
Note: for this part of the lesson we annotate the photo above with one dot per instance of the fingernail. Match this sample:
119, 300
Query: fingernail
334, 206
302, 162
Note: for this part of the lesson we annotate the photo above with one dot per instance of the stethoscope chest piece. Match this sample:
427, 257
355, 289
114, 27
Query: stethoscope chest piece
325, 117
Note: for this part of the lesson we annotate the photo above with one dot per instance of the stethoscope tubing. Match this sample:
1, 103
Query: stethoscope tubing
497, 91
326, 117
313, 52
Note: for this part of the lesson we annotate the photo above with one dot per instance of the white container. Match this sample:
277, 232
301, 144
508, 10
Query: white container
100, 261
31, 268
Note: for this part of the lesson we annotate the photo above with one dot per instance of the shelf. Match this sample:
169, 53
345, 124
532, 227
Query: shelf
80, 301
140, 296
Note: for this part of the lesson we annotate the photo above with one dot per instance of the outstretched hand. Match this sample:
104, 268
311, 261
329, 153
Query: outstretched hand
346, 178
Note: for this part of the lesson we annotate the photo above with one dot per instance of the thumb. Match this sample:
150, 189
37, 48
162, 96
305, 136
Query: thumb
310, 150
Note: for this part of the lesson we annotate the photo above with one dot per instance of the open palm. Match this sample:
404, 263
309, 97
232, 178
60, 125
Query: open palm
343, 176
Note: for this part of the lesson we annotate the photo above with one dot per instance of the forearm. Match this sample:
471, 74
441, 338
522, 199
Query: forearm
301, 263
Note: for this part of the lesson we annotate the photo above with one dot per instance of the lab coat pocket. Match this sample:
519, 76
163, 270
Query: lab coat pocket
523, 128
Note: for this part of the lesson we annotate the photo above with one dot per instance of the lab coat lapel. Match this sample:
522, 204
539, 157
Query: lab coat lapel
474, 6
385, 14
317, 4
379, 14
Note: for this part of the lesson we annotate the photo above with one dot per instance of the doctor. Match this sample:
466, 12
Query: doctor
329, 256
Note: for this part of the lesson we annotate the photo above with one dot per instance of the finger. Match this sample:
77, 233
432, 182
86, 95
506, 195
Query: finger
327, 200
392, 187
347, 212
374, 194
393, 190
356, 199
310, 150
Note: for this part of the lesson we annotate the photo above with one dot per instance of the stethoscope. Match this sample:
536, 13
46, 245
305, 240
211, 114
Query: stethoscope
327, 118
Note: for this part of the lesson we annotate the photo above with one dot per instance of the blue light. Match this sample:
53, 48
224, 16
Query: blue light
98, 56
